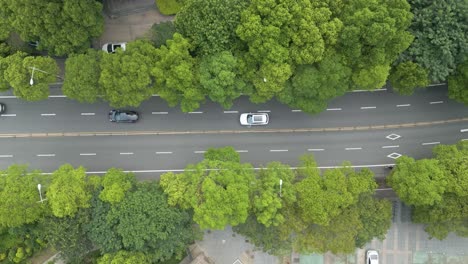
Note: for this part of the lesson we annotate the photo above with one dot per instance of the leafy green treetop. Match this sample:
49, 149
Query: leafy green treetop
115, 184
407, 76
457, 88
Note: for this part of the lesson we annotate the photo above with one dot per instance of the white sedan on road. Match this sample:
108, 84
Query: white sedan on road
111, 47
254, 119
372, 257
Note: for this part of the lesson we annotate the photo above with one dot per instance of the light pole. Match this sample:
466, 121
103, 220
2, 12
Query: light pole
281, 185
31, 81
39, 186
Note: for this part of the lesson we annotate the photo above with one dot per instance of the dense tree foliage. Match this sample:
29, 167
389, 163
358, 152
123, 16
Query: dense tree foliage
124, 257
82, 73
125, 75
373, 35
419, 182
219, 78
218, 191
457, 88
407, 76
175, 74
19, 243
169, 7
19, 197
115, 184
440, 31
161, 32
21, 69
60, 26
68, 191
210, 24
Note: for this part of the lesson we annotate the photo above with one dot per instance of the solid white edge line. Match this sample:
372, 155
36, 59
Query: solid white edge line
51, 114
437, 102
403, 105
436, 84
163, 152
360, 91
126, 153
430, 143
353, 148
199, 151
57, 96
45, 155
195, 112
333, 109
87, 154
278, 150
464, 130
155, 95
395, 146
315, 149
159, 113
9, 115
368, 107
6, 156
264, 111
87, 114
8, 96
242, 151
464, 139
230, 112
296, 110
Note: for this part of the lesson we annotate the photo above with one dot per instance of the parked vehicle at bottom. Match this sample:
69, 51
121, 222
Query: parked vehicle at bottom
254, 119
2, 108
372, 257
112, 47
123, 116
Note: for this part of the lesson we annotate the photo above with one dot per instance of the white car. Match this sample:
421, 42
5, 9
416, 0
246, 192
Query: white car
372, 257
254, 119
111, 47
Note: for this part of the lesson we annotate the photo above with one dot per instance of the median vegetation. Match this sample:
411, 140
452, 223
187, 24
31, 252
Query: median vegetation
302, 53
278, 208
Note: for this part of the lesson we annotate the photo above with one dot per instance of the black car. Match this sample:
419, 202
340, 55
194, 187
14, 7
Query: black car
123, 116
2, 108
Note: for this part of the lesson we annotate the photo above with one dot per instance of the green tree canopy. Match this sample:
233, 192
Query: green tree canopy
457, 88
175, 74
373, 35
19, 196
125, 75
440, 31
19, 73
115, 184
219, 78
68, 191
161, 32
60, 26
210, 24
281, 34
218, 191
124, 257
419, 182
82, 73
407, 76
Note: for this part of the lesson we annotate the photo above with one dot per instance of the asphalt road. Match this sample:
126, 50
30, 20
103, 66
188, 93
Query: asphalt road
353, 109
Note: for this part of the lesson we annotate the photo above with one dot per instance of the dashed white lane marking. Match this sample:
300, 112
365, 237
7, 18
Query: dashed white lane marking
403, 105
199, 151
464, 130
159, 113
9, 115
163, 152
278, 150
368, 107
87, 154
430, 143
353, 148
334, 109
87, 114
296, 110
264, 111
437, 102
195, 112
126, 153
51, 114
436, 84
231, 112
242, 151
395, 146
45, 155
6, 156
315, 149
